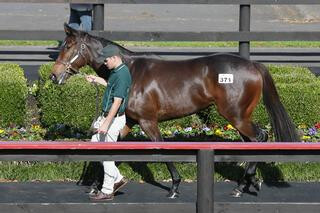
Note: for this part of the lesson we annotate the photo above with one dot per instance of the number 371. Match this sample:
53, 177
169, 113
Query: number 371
225, 78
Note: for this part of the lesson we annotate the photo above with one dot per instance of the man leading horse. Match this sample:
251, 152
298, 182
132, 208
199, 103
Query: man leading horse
167, 89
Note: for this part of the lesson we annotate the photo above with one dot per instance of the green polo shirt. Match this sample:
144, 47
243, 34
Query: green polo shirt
119, 83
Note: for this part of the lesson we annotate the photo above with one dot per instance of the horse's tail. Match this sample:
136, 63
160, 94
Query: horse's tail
282, 125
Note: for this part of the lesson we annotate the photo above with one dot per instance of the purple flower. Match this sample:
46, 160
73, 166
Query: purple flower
206, 129
22, 130
188, 129
142, 133
312, 131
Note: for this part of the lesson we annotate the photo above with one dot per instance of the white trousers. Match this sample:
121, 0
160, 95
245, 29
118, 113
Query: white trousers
111, 172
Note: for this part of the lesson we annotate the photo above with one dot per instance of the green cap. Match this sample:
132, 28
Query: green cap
108, 51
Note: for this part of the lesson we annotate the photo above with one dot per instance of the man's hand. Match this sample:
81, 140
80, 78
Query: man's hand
90, 78
97, 79
103, 129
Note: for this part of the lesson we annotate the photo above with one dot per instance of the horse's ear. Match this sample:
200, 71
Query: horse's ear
69, 30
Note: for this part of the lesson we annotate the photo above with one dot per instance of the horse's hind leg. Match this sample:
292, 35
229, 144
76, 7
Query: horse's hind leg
152, 130
249, 132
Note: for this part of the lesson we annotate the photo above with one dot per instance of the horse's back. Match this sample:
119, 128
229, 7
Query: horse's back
165, 65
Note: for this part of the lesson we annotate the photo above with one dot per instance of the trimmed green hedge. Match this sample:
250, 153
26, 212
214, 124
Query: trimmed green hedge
45, 71
13, 95
73, 104
300, 100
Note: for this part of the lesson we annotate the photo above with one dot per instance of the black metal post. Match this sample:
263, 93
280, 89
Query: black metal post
98, 17
244, 25
205, 167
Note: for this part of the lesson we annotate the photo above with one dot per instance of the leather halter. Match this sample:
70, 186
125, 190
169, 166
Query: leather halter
69, 69
68, 64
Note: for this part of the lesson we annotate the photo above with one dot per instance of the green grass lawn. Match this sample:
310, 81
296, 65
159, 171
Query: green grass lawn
71, 171
297, 44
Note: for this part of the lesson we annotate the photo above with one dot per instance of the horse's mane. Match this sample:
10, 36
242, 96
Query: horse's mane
124, 50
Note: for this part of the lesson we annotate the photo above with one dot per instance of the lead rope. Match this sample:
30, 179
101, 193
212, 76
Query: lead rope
97, 98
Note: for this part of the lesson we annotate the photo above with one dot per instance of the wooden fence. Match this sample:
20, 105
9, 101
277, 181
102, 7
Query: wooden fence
243, 36
204, 153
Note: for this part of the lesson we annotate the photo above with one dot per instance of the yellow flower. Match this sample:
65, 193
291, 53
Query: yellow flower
218, 132
168, 132
179, 128
302, 126
229, 126
36, 127
306, 137
2, 131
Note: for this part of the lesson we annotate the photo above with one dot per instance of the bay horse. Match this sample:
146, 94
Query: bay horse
168, 89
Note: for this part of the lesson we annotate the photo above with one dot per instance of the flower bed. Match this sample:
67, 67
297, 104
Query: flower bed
173, 132
34, 133
225, 133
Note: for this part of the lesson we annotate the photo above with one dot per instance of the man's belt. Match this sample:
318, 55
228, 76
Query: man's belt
119, 114
104, 114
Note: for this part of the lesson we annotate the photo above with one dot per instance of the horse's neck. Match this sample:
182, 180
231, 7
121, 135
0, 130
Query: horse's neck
128, 60
95, 66
102, 71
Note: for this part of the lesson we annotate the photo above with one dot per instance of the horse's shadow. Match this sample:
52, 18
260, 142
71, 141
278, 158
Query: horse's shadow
144, 171
269, 172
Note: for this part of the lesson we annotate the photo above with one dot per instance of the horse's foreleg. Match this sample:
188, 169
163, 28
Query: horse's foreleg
124, 131
176, 179
127, 128
152, 130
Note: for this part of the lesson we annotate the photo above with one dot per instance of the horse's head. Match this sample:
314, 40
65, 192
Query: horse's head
80, 49
75, 53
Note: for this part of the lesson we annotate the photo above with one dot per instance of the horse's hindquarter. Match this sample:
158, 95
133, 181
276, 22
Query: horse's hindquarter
238, 95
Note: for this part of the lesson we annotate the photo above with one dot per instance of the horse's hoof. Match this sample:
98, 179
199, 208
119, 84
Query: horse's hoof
258, 186
236, 193
173, 194
93, 191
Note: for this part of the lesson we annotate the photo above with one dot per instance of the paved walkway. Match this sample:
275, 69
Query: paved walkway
136, 197
144, 192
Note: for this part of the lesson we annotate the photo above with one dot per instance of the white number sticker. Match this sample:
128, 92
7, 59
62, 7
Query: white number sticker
225, 78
